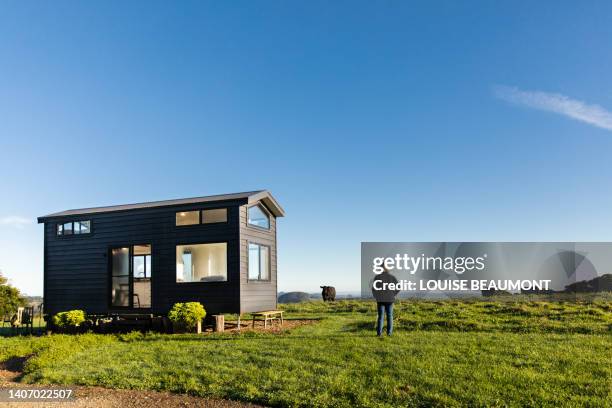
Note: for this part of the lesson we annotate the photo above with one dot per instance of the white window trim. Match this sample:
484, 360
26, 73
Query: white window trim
269, 262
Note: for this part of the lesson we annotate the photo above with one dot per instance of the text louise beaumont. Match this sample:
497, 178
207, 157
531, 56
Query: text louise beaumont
463, 285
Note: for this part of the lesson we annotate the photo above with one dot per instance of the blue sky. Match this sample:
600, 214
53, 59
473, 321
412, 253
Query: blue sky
369, 121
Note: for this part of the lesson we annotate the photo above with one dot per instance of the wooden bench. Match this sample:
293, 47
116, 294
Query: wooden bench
268, 315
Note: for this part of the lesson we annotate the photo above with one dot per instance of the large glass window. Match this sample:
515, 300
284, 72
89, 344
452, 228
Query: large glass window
201, 262
259, 262
188, 218
214, 215
258, 217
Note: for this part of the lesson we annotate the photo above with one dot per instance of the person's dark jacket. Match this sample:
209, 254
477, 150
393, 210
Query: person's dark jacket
384, 296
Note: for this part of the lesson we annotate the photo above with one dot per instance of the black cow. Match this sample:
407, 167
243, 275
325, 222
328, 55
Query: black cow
329, 293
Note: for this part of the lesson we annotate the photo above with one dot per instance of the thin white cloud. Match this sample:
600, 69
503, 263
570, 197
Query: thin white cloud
15, 221
553, 102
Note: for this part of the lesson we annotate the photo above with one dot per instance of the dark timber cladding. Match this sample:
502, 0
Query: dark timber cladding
79, 257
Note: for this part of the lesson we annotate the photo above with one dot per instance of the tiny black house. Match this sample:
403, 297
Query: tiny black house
217, 250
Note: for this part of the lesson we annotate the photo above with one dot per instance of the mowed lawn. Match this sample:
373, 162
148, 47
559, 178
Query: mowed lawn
446, 353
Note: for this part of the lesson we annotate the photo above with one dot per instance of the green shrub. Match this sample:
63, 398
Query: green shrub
187, 314
71, 318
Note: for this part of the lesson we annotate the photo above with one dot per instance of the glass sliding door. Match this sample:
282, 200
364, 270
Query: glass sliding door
120, 276
131, 276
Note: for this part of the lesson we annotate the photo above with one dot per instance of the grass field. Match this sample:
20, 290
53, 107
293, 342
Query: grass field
445, 353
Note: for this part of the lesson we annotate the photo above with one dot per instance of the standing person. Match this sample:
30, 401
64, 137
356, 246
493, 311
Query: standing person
384, 300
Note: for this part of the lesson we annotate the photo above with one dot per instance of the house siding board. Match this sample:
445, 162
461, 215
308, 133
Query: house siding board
77, 267
257, 296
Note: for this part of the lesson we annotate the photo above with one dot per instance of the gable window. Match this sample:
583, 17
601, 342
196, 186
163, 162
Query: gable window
201, 262
188, 218
258, 217
259, 262
74, 228
214, 215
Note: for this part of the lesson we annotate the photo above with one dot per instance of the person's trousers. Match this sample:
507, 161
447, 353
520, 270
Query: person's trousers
385, 308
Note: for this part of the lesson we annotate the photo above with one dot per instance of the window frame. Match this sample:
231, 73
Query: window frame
227, 263
188, 225
266, 211
259, 244
214, 223
80, 224
147, 271
64, 229
63, 234
200, 218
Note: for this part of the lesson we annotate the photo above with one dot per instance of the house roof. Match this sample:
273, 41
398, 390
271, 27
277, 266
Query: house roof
250, 196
